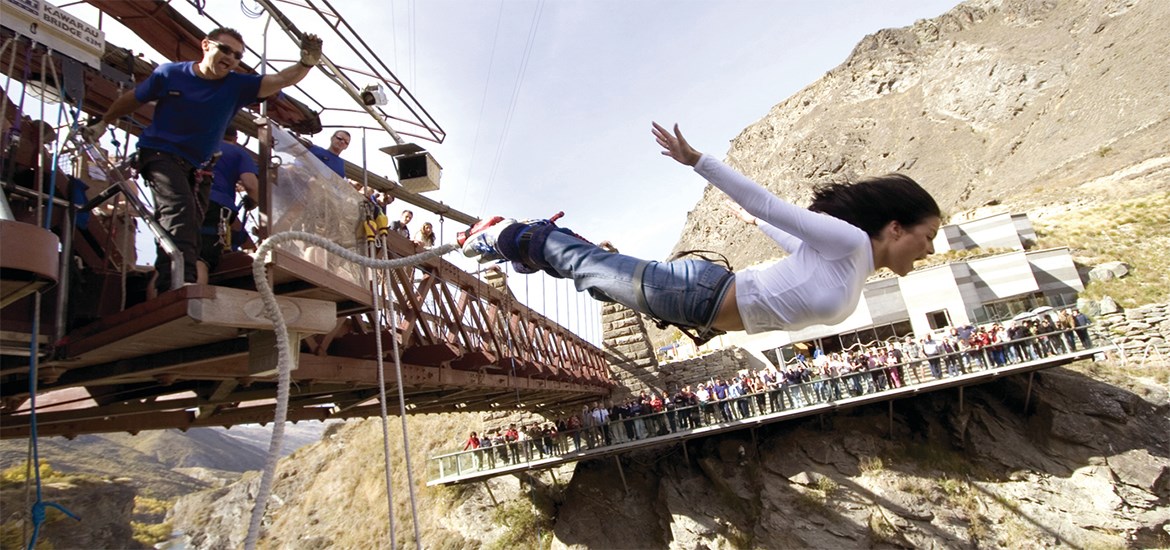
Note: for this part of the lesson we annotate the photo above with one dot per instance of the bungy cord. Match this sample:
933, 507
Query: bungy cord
284, 357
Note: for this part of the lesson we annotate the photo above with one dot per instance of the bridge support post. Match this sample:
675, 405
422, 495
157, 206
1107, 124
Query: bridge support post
617, 460
960, 399
890, 403
488, 487
1028, 392
686, 455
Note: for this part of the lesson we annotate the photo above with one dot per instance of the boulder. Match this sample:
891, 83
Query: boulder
1109, 271
1142, 470
1107, 305
1089, 307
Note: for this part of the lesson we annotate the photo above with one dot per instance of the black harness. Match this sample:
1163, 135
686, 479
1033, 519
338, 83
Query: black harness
698, 334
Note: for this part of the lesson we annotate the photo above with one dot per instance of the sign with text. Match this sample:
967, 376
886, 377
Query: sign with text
55, 28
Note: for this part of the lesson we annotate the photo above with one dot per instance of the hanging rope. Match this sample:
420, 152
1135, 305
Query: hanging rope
38, 507
40, 140
376, 227
272, 312
402, 417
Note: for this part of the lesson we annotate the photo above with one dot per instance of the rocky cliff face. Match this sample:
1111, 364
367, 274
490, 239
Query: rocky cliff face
1086, 466
1015, 102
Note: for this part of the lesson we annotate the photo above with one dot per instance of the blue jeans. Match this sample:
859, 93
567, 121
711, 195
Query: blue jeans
685, 292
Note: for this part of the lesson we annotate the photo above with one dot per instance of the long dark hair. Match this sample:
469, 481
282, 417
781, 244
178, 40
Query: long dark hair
873, 202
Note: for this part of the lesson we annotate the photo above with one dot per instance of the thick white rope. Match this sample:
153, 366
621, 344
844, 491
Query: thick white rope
376, 295
284, 357
405, 436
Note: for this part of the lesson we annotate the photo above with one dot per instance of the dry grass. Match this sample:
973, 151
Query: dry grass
1117, 373
870, 465
1131, 231
965, 502
915, 486
526, 527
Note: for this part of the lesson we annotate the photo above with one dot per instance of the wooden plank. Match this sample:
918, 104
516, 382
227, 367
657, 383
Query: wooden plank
324, 285
150, 338
233, 307
264, 355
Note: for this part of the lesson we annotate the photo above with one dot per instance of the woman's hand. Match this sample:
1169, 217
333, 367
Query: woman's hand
741, 213
675, 145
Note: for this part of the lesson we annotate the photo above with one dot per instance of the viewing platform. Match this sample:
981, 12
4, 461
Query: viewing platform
691, 422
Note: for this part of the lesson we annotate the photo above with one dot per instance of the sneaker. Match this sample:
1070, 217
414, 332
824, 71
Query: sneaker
480, 240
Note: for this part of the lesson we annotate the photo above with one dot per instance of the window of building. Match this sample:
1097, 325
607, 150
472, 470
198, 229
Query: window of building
865, 336
1003, 310
1063, 300
938, 319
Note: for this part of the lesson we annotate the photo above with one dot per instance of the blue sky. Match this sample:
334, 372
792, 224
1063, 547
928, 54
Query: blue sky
577, 135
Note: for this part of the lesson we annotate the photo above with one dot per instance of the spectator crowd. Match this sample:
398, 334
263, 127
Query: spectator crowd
801, 382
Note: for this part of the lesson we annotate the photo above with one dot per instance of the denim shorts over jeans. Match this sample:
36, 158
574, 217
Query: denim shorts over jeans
685, 292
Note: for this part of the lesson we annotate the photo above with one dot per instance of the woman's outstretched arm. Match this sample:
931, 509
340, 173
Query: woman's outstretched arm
786, 241
830, 236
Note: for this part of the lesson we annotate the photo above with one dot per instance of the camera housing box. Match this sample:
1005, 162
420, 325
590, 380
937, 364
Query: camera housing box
418, 172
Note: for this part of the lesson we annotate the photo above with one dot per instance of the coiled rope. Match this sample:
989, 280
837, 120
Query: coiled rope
284, 357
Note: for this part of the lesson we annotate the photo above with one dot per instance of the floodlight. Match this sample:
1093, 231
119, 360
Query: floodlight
374, 95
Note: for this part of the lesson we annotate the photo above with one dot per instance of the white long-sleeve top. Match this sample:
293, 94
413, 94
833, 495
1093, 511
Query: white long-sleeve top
822, 278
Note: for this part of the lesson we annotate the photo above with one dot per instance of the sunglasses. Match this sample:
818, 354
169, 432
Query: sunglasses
227, 50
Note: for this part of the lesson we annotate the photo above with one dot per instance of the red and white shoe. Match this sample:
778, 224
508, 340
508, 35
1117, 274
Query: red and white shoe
480, 240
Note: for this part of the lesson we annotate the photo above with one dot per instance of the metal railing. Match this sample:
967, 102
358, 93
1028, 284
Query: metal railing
777, 398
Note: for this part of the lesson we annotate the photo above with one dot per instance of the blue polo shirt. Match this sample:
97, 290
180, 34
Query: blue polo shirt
331, 160
191, 113
236, 160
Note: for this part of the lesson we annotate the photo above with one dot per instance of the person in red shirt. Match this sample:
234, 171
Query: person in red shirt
472, 442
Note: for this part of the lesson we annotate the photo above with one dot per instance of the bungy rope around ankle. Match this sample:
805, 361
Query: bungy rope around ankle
284, 355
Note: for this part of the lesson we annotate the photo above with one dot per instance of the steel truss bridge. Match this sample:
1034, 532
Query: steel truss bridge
108, 357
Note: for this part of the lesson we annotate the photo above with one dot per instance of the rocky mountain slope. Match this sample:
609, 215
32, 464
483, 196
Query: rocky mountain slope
115, 481
1086, 468
1020, 103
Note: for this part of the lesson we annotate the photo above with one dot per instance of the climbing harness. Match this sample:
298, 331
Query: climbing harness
698, 334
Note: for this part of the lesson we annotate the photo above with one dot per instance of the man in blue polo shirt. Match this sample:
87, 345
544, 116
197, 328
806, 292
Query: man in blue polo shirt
332, 156
194, 103
234, 167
